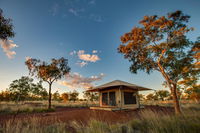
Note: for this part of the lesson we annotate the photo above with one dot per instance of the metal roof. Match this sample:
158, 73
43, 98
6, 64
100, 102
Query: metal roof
116, 83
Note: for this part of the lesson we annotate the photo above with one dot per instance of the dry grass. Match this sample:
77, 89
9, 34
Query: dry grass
149, 122
39, 106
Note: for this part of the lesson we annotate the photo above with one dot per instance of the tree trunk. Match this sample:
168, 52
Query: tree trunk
173, 89
49, 107
176, 100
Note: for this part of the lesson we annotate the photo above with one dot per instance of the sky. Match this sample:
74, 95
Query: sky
87, 33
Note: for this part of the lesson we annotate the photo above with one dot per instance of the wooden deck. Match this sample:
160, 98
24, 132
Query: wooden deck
115, 108
106, 108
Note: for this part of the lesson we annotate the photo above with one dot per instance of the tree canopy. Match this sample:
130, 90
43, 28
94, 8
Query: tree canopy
161, 44
24, 88
48, 72
6, 27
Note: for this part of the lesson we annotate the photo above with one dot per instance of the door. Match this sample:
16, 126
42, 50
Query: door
112, 99
105, 98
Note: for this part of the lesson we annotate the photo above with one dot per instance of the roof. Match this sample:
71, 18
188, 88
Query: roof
116, 83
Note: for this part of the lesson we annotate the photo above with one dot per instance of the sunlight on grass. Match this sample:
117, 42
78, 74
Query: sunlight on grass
148, 122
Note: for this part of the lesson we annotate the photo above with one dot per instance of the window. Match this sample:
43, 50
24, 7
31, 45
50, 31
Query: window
129, 98
105, 98
108, 98
112, 98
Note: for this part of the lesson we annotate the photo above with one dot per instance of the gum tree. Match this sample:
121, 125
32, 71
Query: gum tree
161, 44
6, 27
48, 72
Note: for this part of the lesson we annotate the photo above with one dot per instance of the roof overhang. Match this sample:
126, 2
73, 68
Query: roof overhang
107, 86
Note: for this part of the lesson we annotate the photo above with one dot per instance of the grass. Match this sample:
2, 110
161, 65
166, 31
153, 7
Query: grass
148, 122
38, 106
13, 108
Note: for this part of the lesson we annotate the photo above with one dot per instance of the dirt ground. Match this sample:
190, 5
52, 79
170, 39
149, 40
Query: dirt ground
83, 115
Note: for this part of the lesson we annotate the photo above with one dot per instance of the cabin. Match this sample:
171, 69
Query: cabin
118, 95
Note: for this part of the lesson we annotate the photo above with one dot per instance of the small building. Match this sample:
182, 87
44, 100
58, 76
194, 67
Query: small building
118, 95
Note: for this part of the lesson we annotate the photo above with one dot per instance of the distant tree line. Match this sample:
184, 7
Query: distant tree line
164, 95
24, 89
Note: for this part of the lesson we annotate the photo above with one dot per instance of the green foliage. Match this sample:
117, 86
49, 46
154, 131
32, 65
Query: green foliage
6, 27
48, 72
73, 96
91, 96
160, 40
161, 44
24, 89
56, 96
162, 94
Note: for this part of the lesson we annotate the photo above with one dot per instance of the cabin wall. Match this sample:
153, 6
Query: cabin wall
119, 94
131, 106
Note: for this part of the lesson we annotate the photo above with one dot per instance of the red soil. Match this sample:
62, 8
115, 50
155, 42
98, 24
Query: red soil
83, 115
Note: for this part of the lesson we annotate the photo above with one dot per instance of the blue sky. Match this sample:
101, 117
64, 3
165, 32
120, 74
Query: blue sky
48, 29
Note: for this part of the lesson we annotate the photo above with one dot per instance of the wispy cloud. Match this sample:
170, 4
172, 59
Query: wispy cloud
7, 46
96, 18
82, 63
82, 9
54, 9
76, 12
92, 2
75, 80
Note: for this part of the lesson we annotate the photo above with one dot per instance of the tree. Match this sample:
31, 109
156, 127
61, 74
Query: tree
48, 72
91, 96
162, 94
38, 91
160, 44
73, 96
6, 27
24, 88
56, 96
65, 97
5, 96
194, 93
141, 97
150, 97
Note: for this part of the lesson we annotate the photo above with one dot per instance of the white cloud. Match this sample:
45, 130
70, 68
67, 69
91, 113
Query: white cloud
75, 80
84, 58
94, 51
7, 45
87, 57
72, 53
82, 63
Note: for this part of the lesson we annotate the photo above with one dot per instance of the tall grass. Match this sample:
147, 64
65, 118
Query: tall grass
33, 125
152, 122
39, 106
148, 122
